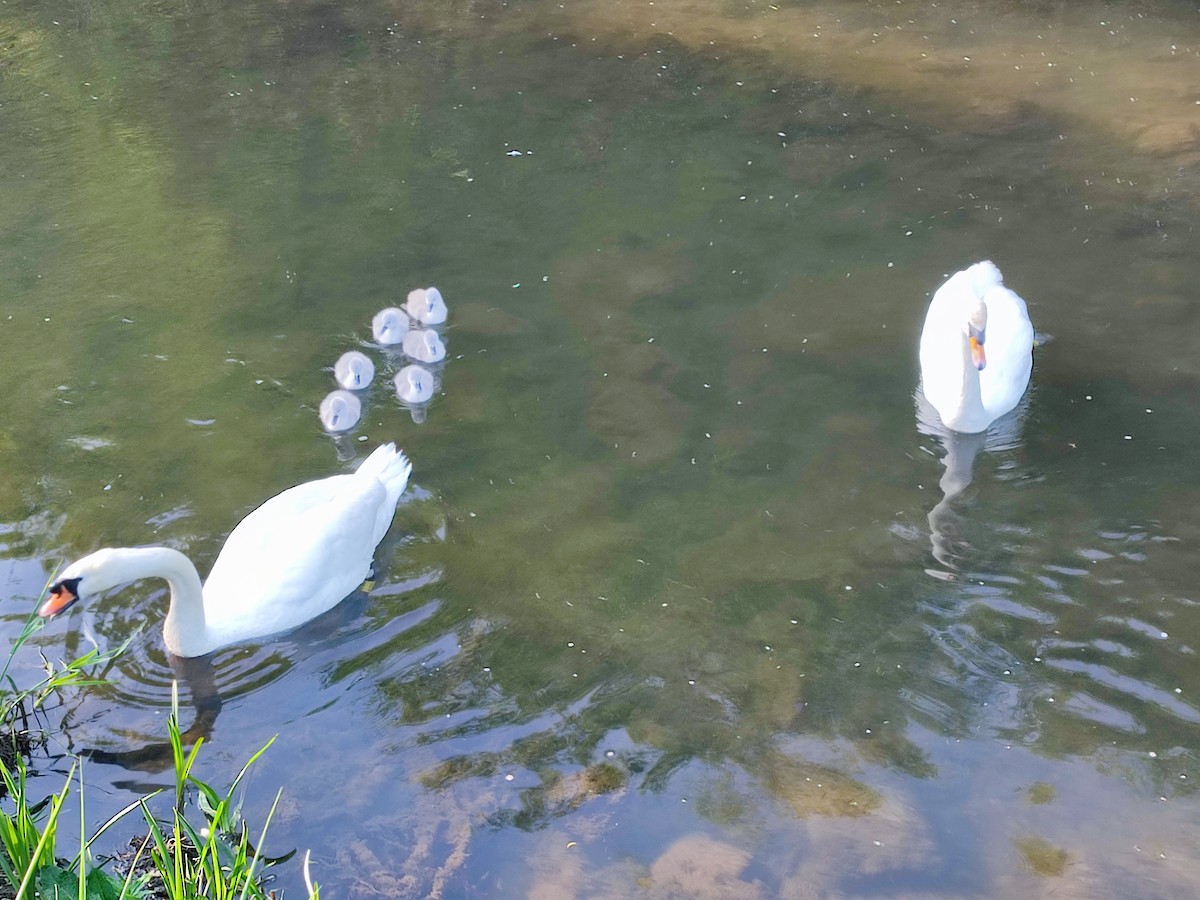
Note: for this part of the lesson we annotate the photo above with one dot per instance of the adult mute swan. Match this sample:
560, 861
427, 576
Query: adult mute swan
426, 306
353, 370
968, 385
340, 411
290, 560
389, 325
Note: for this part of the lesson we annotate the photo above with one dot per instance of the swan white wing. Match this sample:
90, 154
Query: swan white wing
944, 318
941, 342
294, 557
1009, 351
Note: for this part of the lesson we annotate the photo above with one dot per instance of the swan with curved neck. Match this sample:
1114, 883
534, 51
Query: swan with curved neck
968, 385
288, 561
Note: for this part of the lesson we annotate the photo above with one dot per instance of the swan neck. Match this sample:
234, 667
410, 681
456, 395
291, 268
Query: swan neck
185, 630
972, 398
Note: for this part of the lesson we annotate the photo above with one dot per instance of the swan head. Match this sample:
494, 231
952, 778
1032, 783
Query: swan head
87, 577
389, 325
426, 306
976, 334
353, 370
340, 411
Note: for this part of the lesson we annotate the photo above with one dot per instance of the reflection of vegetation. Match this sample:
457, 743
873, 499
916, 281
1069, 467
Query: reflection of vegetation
1041, 793
1042, 858
819, 791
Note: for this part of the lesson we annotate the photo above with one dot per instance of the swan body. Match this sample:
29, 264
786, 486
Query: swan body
354, 370
414, 384
389, 325
426, 306
424, 345
976, 349
340, 411
290, 560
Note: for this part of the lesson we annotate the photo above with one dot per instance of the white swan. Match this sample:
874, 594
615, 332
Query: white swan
969, 387
354, 370
389, 325
424, 345
290, 560
340, 411
426, 306
414, 384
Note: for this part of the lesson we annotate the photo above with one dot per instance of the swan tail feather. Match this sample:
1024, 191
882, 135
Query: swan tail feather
391, 468
388, 465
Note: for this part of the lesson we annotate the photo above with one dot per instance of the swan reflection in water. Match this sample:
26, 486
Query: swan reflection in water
958, 462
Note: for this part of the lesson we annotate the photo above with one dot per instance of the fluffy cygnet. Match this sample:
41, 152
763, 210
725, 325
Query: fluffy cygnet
424, 345
340, 411
426, 306
354, 370
389, 325
414, 384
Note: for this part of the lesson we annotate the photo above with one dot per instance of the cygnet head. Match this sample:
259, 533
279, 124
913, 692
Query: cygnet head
424, 345
354, 370
389, 325
414, 384
426, 306
340, 411
976, 333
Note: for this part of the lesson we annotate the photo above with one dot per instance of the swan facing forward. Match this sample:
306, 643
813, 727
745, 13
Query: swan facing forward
353, 370
426, 306
340, 411
976, 349
414, 384
290, 560
424, 345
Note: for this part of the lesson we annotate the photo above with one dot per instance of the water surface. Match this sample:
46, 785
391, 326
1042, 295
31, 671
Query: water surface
681, 602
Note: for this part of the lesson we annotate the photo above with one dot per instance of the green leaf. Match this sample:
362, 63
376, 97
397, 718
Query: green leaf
102, 886
54, 883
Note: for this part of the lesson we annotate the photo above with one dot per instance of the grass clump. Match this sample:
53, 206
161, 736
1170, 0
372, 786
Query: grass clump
216, 861
209, 856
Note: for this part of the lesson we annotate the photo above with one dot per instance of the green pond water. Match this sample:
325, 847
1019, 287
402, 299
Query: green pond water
679, 602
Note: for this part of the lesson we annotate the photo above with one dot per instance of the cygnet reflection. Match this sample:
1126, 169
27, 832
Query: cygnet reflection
959, 464
389, 326
354, 370
426, 306
424, 345
340, 411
